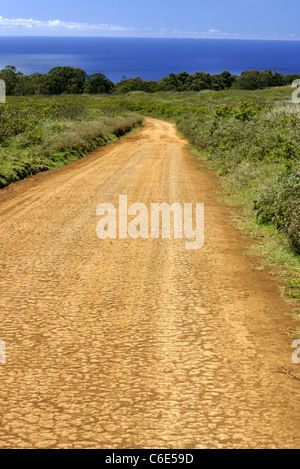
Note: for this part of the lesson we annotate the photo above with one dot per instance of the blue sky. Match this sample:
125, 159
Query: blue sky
228, 19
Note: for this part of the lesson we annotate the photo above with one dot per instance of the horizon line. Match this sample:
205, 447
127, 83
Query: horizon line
153, 37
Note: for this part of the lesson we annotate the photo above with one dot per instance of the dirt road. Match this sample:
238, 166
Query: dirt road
137, 343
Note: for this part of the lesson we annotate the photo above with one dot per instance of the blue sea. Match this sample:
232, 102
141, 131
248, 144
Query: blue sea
151, 59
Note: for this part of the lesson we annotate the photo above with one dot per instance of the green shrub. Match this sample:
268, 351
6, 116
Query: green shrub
280, 205
38, 133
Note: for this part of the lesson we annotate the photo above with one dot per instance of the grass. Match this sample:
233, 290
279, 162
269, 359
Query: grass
39, 133
270, 245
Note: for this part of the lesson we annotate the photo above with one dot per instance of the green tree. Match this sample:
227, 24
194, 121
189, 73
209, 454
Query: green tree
11, 76
97, 84
266, 79
67, 80
278, 79
254, 80
23, 86
128, 85
226, 80
149, 86
182, 81
39, 83
168, 83
205, 78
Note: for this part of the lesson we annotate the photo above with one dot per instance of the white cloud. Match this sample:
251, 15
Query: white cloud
214, 33
30, 23
56, 27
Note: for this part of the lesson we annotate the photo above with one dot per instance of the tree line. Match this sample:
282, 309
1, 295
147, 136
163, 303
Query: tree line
69, 80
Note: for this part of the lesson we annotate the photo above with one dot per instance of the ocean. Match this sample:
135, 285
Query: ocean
151, 59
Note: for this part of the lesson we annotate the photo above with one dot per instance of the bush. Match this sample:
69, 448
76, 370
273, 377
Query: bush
280, 205
38, 133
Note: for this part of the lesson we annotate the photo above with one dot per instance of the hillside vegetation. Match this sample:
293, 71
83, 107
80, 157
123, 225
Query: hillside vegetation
39, 133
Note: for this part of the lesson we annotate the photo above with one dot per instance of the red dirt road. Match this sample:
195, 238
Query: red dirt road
137, 343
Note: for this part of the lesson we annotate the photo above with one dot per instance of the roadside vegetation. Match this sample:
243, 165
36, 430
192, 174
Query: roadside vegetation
40, 133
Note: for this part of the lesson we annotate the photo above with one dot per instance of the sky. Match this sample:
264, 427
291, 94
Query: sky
225, 19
